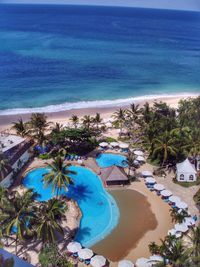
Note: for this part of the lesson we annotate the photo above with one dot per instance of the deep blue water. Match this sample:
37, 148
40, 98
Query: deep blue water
50, 55
100, 213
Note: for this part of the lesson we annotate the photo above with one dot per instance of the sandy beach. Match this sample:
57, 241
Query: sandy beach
63, 116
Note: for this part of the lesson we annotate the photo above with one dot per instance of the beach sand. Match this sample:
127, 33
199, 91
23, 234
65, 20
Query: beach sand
144, 218
63, 116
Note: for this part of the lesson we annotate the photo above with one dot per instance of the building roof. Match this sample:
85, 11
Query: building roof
8, 141
186, 167
17, 261
112, 174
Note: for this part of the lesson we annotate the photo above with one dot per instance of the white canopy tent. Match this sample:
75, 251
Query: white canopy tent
138, 153
158, 187
140, 158
98, 261
181, 227
181, 205
166, 193
174, 199
114, 144
74, 247
146, 173
123, 145
142, 262
85, 253
150, 180
103, 144
125, 263
186, 172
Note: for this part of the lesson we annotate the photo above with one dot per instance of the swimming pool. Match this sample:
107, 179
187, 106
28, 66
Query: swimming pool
105, 160
100, 213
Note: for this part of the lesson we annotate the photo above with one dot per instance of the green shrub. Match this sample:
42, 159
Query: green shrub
44, 156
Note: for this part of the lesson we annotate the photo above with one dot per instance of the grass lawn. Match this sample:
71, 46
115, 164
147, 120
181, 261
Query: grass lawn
187, 184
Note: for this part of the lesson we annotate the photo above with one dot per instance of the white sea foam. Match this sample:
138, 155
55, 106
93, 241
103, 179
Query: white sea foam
91, 104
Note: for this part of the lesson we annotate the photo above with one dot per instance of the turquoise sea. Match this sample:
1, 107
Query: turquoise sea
62, 57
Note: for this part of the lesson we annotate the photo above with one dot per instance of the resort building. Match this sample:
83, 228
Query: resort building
186, 172
16, 151
114, 176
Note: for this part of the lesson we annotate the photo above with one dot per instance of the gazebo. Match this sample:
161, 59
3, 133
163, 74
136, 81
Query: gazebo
186, 172
114, 176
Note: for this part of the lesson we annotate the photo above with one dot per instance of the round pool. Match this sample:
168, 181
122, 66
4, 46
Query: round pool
105, 160
100, 213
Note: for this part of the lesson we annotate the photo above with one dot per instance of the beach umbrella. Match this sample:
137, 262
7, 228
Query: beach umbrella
136, 162
123, 145
150, 180
125, 263
158, 187
85, 253
171, 232
142, 262
103, 144
140, 158
189, 221
181, 205
74, 247
138, 153
166, 193
181, 227
156, 258
98, 261
174, 199
114, 144
178, 234
146, 173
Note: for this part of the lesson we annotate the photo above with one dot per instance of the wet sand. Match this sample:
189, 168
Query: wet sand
136, 218
63, 116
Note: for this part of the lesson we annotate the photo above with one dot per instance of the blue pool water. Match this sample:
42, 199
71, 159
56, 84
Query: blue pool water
100, 213
105, 160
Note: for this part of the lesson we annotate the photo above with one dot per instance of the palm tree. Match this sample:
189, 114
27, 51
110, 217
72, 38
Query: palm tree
57, 128
58, 177
87, 120
178, 217
164, 147
97, 120
154, 248
3, 197
4, 166
49, 219
75, 120
17, 217
20, 127
195, 239
120, 116
38, 125
130, 162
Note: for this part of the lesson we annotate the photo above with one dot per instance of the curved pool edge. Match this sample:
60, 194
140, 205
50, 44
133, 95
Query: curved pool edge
115, 212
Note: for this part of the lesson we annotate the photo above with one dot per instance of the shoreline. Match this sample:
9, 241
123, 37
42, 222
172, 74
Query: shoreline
63, 116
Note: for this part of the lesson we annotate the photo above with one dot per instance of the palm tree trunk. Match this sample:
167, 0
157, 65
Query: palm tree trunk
16, 243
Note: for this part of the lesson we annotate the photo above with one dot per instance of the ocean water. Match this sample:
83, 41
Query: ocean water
62, 57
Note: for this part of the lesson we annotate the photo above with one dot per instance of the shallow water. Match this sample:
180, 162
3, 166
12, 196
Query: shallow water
136, 218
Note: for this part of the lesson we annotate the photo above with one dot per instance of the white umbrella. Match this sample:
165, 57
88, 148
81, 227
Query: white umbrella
174, 199
150, 180
123, 145
181, 205
85, 253
114, 144
103, 144
156, 258
142, 262
98, 261
181, 227
171, 232
74, 247
136, 162
140, 158
138, 153
79, 161
166, 193
178, 234
158, 187
125, 263
146, 173
189, 221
